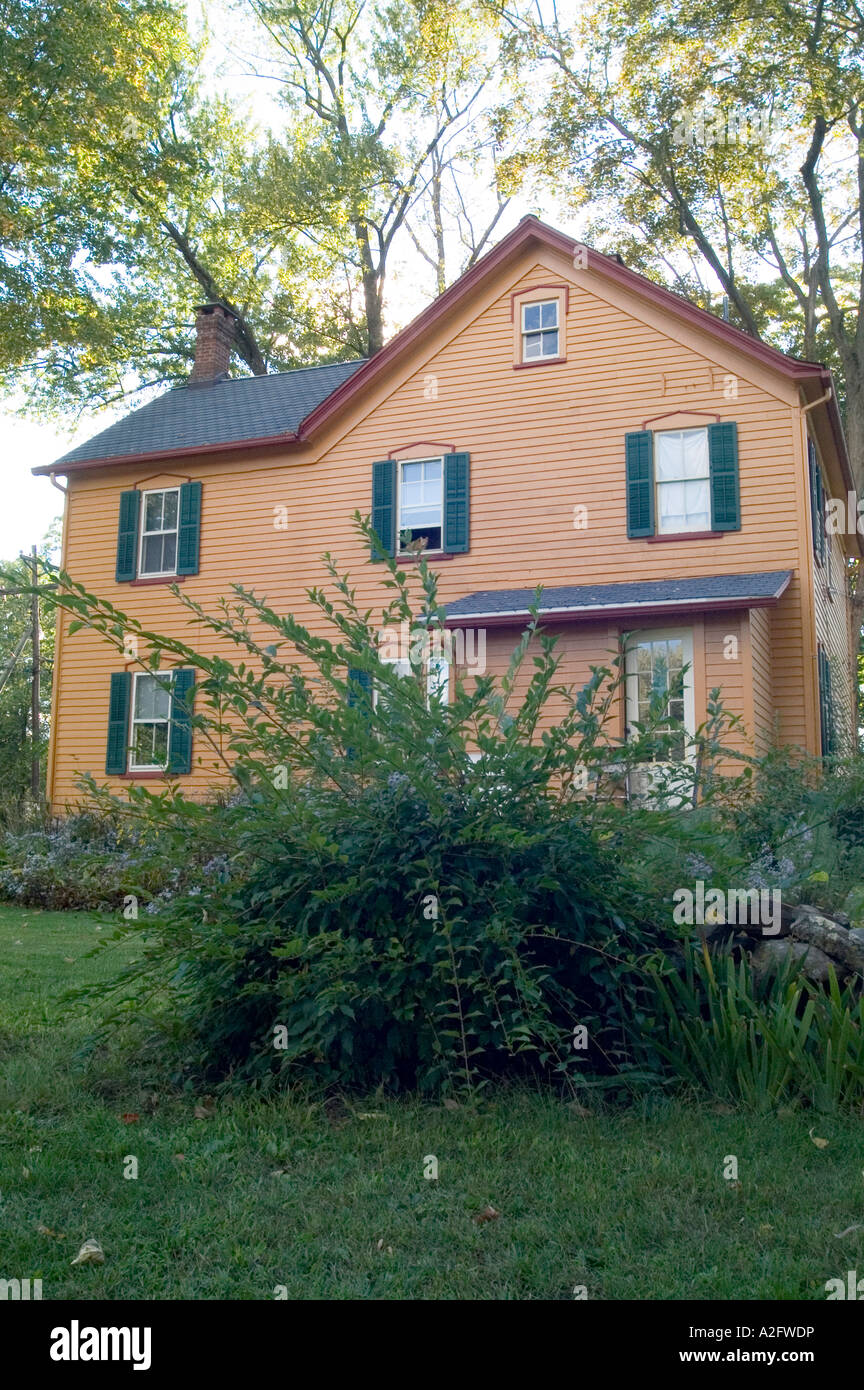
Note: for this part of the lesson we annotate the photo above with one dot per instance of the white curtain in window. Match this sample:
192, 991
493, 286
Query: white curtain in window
683, 496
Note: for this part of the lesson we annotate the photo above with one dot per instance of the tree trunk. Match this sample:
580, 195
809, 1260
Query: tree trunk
854, 371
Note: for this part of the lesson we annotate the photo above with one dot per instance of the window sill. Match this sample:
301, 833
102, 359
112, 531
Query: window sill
157, 579
539, 362
685, 536
145, 776
433, 557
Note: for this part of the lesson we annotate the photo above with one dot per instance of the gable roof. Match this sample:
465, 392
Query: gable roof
710, 591
336, 393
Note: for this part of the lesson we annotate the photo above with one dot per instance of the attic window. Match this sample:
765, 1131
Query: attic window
540, 330
538, 315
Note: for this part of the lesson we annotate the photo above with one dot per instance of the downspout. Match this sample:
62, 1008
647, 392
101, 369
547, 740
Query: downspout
804, 408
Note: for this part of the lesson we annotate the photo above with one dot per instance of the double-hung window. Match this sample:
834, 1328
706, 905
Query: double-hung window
437, 675
159, 527
656, 675
151, 721
540, 330
421, 502
683, 481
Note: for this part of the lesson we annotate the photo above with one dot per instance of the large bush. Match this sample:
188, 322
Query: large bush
420, 893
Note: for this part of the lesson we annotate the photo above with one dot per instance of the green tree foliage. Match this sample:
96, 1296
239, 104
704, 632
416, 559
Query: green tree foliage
381, 99
712, 146
74, 82
16, 675
130, 190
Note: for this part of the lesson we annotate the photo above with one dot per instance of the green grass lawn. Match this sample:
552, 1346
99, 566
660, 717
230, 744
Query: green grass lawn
330, 1200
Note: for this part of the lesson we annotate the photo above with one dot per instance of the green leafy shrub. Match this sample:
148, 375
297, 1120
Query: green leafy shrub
96, 860
418, 894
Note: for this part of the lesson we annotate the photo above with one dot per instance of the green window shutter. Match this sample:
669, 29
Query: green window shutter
820, 505
384, 505
817, 505
118, 723
814, 499
180, 734
359, 692
723, 462
826, 704
640, 483
127, 536
359, 686
189, 531
457, 500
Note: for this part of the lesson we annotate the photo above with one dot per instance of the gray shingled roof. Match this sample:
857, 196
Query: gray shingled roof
221, 412
706, 589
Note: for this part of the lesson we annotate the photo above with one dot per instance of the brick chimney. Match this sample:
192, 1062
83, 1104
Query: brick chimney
214, 338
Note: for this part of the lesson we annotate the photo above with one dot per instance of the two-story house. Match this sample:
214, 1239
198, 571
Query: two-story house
553, 418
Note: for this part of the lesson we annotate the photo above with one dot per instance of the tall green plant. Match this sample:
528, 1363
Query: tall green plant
785, 1040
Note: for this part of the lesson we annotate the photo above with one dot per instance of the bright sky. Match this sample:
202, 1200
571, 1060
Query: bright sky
31, 504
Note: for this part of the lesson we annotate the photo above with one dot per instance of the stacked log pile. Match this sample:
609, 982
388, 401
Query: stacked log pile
808, 933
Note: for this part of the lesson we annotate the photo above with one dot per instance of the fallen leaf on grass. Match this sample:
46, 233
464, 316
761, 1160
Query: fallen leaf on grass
579, 1110
206, 1109
838, 1235
820, 1143
450, 1103
130, 1117
388, 1250
68, 960
487, 1214
47, 1231
91, 1253
371, 1115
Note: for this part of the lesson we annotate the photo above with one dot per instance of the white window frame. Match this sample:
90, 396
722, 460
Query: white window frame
172, 530
438, 671
168, 677
641, 637
658, 484
433, 686
531, 332
439, 549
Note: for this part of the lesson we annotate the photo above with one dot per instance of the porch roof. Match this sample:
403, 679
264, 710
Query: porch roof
571, 602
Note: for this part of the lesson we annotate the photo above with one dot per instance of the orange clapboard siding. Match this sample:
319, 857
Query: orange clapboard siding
542, 441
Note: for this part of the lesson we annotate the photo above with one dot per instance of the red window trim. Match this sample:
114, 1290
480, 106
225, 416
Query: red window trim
430, 443
539, 362
685, 536
530, 289
433, 559
158, 579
